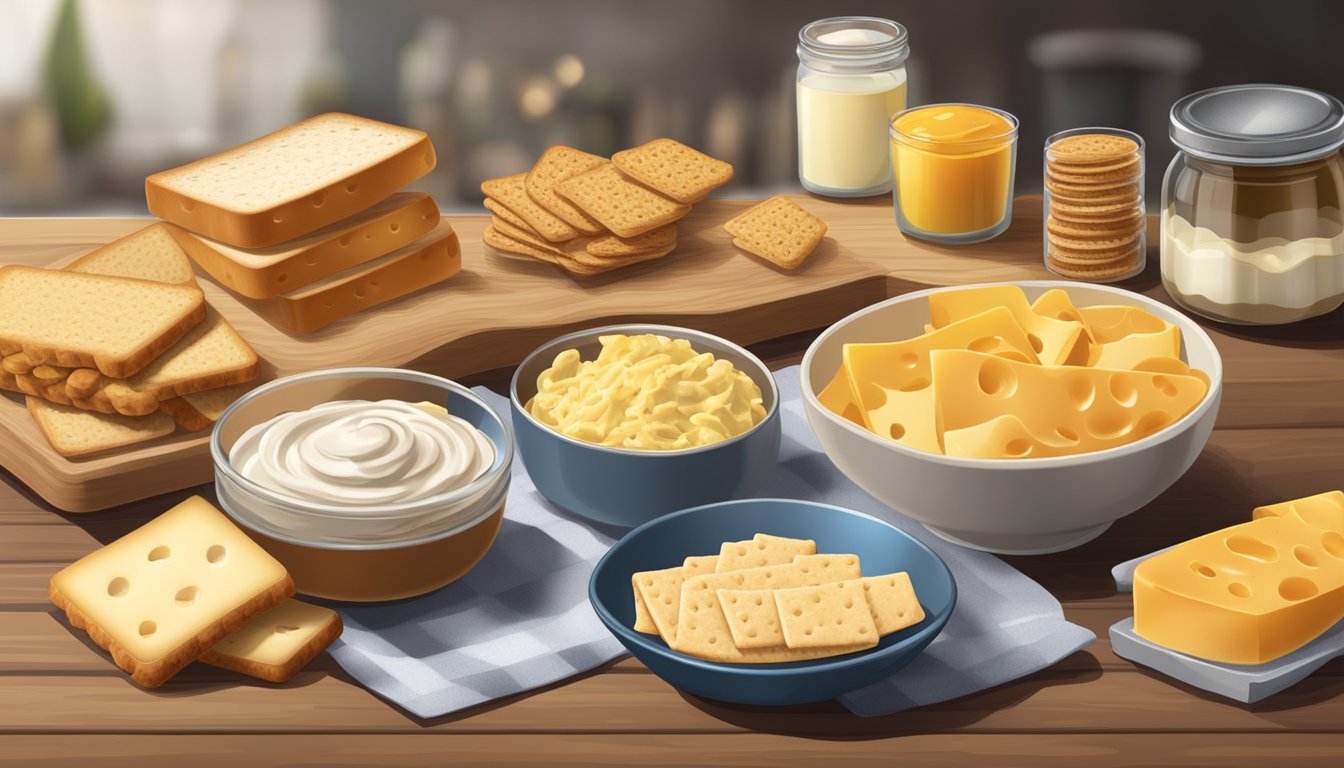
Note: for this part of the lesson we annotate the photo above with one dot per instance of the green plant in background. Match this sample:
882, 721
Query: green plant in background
82, 106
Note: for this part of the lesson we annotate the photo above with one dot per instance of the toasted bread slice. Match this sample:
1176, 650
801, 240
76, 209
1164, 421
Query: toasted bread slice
201, 410
148, 254
291, 182
265, 272
434, 257
115, 324
75, 432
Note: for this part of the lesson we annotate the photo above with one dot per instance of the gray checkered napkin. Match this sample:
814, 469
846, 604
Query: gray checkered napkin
520, 619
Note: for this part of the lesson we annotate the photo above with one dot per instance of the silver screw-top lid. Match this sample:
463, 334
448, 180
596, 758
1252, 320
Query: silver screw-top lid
854, 43
1258, 124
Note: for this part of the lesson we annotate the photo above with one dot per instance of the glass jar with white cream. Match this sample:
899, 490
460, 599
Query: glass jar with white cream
851, 80
1253, 205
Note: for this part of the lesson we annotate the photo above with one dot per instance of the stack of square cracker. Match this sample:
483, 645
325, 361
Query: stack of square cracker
307, 224
112, 348
772, 599
191, 585
589, 215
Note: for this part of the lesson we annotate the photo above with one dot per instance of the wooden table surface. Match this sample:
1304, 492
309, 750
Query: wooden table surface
1280, 435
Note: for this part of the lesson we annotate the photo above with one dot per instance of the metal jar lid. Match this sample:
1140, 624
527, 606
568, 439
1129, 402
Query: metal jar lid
1258, 124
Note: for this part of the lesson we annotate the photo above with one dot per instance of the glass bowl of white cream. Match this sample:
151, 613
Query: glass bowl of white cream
367, 483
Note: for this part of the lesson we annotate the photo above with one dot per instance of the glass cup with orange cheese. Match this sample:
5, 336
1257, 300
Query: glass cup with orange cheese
952, 169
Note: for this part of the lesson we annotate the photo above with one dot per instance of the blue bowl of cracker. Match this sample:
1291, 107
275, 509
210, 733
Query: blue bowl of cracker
772, 601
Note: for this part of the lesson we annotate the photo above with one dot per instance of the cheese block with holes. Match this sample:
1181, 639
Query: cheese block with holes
891, 383
291, 182
275, 645
1056, 342
1107, 323
1324, 511
163, 594
1247, 594
1018, 410
1129, 352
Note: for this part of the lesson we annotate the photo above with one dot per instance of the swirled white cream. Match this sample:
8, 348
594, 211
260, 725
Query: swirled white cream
360, 452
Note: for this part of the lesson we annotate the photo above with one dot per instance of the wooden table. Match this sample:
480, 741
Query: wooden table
1280, 435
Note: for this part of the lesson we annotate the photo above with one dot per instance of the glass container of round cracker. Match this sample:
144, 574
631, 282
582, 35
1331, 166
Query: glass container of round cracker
1094, 220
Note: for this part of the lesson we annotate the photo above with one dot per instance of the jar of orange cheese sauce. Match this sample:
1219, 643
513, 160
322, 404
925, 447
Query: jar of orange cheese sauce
952, 168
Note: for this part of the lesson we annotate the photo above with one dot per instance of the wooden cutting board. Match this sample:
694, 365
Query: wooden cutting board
498, 309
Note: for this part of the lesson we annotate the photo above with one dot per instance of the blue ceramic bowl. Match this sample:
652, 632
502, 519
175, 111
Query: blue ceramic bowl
625, 487
881, 548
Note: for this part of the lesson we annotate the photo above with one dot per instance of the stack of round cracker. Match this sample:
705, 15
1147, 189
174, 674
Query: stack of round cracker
1094, 214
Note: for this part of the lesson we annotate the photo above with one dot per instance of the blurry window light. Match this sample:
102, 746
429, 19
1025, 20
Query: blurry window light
537, 98
568, 70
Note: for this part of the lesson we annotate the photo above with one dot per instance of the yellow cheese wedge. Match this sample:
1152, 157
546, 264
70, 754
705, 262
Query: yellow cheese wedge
1127, 353
1056, 303
894, 389
1056, 342
838, 398
1107, 323
1324, 511
1086, 409
1248, 594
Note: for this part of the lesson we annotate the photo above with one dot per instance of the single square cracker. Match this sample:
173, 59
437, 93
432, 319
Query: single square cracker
892, 601
826, 615
554, 166
762, 549
621, 205
828, 567
752, 617
674, 169
511, 192
700, 564
502, 211
661, 592
778, 230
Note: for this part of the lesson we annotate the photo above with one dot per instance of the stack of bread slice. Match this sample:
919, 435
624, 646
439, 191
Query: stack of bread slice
307, 224
588, 215
112, 347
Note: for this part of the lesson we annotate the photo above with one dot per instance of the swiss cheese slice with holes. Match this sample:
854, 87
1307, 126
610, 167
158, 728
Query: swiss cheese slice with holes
1128, 352
1056, 342
1107, 323
1324, 511
275, 645
892, 382
163, 594
992, 408
1247, 594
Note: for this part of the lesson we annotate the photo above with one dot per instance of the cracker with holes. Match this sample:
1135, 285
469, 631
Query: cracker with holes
273, 646
167, 592
621, 205
762, 549
674, 169
777, 230
826, 615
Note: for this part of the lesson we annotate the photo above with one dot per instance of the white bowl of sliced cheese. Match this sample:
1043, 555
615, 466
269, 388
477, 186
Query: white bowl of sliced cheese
1017, 418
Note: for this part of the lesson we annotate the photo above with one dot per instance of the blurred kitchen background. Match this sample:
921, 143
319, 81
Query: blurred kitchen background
96, 94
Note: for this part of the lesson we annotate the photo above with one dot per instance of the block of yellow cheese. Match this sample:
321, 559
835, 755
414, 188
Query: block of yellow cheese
1247, 594
890, 383
1056, 342
1128, 352
1324, 511
990, 408
275, 645
163, 594
1110, 322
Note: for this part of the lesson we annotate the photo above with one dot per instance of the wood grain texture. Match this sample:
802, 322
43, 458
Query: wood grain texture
1102, 750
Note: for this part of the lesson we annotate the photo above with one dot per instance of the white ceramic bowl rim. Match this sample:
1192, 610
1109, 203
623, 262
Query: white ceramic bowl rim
502, 466
773, 670
1188, 328
570, 340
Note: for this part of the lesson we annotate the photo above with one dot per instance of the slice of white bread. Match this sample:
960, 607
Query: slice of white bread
75, 432
115, 324
266, 272
291, 182
434, 257
211, 355
275, 645
163, 594
148, 254
202, 409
